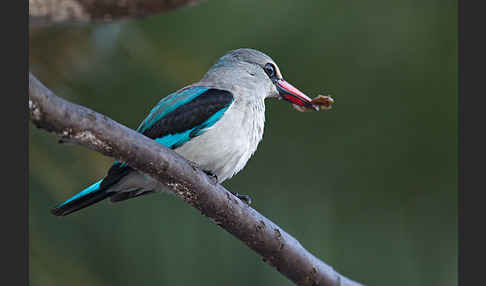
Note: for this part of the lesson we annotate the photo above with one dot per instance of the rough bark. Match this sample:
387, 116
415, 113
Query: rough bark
45, 12
83, 126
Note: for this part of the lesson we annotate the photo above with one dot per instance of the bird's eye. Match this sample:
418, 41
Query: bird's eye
270, 70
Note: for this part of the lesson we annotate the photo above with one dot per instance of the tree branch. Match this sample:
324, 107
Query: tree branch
83, 126
44, 12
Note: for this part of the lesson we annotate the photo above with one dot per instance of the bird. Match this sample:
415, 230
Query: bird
216, 123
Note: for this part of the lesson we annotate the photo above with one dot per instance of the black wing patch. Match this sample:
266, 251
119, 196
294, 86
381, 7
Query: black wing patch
191, 115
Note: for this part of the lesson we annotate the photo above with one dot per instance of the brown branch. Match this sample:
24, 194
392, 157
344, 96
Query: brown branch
44, 12
83, 126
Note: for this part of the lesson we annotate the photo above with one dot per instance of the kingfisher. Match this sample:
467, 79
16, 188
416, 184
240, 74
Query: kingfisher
216, 123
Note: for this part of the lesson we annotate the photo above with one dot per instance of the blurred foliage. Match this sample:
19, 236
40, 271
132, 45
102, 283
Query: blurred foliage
370, 186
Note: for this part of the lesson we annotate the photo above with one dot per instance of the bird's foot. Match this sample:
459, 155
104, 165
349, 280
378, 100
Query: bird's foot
211, 175
245, 198
214, 178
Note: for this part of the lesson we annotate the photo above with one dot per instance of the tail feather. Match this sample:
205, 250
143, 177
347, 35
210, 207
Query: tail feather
87, 197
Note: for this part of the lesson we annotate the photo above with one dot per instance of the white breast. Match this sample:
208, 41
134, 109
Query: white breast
226, 147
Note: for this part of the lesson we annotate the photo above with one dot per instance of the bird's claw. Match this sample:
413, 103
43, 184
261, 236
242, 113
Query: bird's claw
211, 175
245, 198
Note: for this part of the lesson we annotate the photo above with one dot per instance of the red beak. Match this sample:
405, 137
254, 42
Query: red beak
292, 94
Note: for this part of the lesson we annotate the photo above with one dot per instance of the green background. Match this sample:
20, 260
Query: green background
370, 187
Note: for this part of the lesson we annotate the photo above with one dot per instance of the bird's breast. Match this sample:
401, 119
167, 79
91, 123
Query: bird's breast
226, 147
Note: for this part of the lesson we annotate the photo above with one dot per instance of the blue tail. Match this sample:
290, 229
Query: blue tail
87, 197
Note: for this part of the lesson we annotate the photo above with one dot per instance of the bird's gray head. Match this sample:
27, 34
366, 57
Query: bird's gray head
255, 71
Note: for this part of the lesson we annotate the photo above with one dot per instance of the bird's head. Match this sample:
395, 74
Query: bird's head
252, 69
